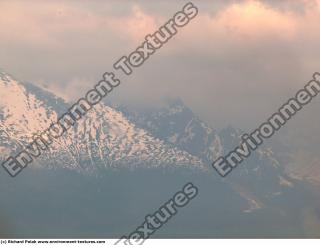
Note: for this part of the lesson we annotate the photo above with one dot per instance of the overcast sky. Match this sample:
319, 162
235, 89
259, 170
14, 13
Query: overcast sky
235, 63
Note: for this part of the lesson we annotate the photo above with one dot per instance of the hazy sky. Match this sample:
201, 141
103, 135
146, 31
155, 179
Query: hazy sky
235, 63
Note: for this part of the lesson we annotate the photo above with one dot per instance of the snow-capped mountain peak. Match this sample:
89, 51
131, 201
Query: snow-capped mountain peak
103, 138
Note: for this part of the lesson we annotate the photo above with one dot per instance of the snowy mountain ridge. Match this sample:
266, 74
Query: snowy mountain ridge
104, 138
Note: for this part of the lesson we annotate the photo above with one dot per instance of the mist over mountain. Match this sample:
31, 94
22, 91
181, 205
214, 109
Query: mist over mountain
118, 164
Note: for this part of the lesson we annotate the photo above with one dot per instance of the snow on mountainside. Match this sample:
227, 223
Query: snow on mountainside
178, 125
113, 137
259, 177
103, 138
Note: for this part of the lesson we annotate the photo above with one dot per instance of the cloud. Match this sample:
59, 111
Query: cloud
255, 20
235, 65
234, 57
136, 25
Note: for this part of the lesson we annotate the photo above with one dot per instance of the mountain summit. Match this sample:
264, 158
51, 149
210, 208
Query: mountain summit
104, 138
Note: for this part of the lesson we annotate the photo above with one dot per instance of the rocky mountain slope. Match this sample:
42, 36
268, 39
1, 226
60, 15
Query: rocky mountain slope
104, 138
259, 197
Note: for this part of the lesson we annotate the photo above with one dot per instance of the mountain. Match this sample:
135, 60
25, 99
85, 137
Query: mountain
262, 175
113, 137
178, 125
104, 138
118, 164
